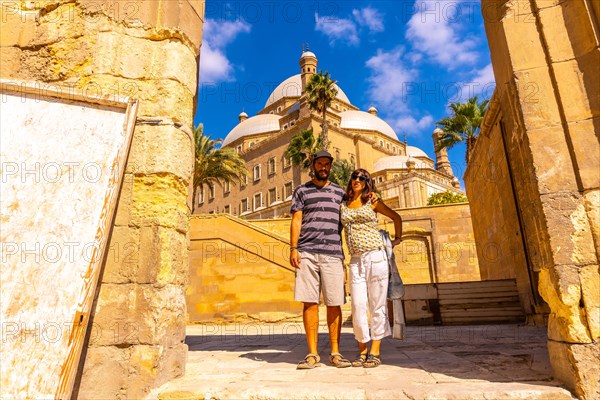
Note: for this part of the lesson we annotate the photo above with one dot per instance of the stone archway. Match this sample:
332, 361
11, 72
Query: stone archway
544, 125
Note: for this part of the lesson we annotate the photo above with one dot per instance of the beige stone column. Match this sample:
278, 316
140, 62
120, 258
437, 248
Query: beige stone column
546, 60
146, 50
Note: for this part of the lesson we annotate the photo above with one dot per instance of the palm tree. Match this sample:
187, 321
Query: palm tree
212, 164
321, 91
341, 171
302, 147
462, 125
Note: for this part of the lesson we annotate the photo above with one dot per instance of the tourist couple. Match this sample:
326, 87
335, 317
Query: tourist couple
319, 210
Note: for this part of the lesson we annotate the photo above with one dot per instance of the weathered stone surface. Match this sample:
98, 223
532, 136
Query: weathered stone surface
123, 255
18, 25
578, 366
537, 98
129, 314
592, 206
105, 373
159, 200
138, 58
569, 229
159, 149
590, 291
567, 29
585, 136
123, 217
578, 84
560, 288
163, 256
11, 62
552, 160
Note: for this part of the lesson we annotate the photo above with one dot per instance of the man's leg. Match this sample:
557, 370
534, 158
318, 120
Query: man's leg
310, 318
334, 323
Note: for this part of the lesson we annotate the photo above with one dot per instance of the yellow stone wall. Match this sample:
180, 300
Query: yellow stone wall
149, 51
546, 59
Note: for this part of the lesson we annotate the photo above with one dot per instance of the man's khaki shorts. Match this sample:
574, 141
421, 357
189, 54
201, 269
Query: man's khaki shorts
320, 272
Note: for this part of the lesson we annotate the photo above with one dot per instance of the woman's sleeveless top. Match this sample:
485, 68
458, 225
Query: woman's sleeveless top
361, 228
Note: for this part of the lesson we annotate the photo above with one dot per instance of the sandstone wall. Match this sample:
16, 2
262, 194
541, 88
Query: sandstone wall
149, 51
546, 60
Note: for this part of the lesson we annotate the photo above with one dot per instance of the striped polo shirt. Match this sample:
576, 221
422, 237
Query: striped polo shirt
321, 225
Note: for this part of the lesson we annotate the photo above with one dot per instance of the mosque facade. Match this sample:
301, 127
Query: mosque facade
405, 175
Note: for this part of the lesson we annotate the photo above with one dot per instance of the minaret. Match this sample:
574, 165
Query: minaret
308, 66
243, 116
442, 163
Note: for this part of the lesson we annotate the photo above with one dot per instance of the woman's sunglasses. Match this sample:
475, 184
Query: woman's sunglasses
361, 178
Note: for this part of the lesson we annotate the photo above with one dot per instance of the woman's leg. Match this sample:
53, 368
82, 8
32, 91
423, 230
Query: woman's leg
358, 293
377, 284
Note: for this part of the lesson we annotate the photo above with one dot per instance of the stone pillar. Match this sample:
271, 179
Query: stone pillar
442, 163
149, 51
546, 60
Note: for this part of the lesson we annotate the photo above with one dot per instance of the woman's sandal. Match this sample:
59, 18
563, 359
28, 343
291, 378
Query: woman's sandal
307, 363
338, 360
372, 361
360, 359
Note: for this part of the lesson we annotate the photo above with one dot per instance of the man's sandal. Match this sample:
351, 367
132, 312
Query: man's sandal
360, 359
338, 360
372, 361
310, 361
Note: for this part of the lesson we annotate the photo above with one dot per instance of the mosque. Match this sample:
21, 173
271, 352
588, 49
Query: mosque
405, 175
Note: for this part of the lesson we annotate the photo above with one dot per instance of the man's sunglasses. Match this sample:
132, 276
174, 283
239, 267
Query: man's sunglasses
361, 178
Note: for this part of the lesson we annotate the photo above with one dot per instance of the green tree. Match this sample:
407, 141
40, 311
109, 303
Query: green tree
321, 91
462, 125
341, 171
302, 147
212, 164
446, 197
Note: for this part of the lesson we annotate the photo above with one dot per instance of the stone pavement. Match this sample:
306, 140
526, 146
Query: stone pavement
258, 361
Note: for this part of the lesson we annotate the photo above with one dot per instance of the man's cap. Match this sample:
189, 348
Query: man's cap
322, 154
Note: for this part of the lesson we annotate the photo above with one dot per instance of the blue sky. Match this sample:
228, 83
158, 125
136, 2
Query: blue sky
409, 59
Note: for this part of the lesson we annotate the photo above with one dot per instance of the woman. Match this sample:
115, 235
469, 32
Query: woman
368, 266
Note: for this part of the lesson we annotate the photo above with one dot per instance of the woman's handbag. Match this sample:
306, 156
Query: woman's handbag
395, 288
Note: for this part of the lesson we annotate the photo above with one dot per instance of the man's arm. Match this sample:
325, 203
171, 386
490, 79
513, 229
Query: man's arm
294, 235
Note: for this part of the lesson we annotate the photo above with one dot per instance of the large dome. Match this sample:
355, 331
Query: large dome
292, 87
397, 162
353, 119
258, 124
415, 152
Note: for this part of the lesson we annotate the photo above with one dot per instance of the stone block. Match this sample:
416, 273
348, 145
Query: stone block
585, 137
130, 314
159, 200
537, 98
105, 373
568, 228
163, 257
123, 212
140, 58
18, 25
560, 288
578, 366
58, 23
123, 255
11, 62
567, 29
578, 82
590, 291
161, 149
552, 160
592, 206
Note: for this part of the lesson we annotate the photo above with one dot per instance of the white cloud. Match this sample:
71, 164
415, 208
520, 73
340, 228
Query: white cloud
214, 64
480, 83
369, 17
337, 29
435, 31
389, 85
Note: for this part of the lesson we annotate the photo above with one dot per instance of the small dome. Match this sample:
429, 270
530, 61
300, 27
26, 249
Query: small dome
308, 54
292, 87
397, 162
243, 115
372, 110
438, 131
415, 152
354, 119
258, 124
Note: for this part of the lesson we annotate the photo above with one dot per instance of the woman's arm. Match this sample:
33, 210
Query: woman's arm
381, 208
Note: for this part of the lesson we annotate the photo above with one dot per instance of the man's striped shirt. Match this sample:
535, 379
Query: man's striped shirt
321, 225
